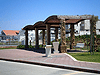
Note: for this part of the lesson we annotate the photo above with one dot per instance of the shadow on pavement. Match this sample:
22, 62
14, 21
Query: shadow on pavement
72, 51
40, 50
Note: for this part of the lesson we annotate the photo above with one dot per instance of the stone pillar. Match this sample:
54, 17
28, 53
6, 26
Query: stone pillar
48, 34
56, 34
72, 43
91, 36
36, 38
43, 37
93, 40
26, 38
63, 37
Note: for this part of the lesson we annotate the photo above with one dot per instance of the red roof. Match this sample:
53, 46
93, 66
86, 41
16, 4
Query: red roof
11, 32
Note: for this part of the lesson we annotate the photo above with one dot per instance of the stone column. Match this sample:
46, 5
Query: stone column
56, 34
43, 37
63, 37
48, 34
72, 43
93, 39
91, 36
26, 38
36, 38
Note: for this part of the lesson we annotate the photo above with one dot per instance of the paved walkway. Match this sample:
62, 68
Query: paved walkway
60, 59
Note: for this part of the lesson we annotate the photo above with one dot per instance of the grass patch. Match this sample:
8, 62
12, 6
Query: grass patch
86, 56
7, 48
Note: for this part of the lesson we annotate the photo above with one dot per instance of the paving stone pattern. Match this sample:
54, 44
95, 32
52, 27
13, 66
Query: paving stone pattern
59, 58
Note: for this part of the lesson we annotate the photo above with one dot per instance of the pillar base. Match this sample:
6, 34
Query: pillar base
55, 51
63, 48
37, 46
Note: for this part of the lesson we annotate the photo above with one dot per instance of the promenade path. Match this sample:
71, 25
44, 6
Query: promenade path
59, 59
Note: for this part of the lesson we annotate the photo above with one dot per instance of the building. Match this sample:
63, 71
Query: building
83, 28
31, 36
9, 35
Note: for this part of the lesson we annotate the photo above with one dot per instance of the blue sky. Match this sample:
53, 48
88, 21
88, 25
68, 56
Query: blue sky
15, 14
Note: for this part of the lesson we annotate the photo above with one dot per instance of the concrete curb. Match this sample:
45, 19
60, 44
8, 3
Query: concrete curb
70, 56
54, 65
78, 60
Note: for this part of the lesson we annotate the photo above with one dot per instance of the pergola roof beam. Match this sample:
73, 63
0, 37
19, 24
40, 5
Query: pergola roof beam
74, 17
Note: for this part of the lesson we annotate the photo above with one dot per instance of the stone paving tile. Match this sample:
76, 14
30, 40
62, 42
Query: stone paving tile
61, 60
92, 65
54, 59
77, 63
71, 63
58, 58
83, 64
51, 60
66, 61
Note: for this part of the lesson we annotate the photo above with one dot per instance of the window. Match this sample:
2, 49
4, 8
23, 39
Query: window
81, 27
53, 35
76, 32
87, 30
31, 38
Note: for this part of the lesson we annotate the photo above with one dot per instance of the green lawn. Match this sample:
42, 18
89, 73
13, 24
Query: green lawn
6, 48
86, 56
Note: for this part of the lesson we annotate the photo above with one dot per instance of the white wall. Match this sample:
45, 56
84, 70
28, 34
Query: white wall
87, 27
21, 36
87, 24
98, 27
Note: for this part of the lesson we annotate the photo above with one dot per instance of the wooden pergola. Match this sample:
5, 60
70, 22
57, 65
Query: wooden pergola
56, 21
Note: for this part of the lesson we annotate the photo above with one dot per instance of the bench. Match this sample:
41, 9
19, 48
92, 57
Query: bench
79, 45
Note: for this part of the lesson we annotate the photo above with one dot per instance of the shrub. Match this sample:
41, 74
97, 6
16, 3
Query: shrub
1, 43
30, 46
21, 46
98, 49
40, 45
